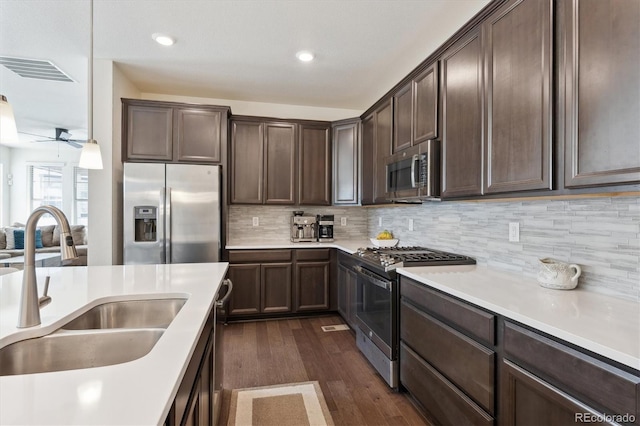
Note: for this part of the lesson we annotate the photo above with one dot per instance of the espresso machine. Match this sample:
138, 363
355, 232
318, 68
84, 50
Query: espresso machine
325, 228
303, 228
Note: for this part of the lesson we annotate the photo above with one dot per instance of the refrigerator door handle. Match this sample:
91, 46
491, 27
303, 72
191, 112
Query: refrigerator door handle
167, 239
161, 222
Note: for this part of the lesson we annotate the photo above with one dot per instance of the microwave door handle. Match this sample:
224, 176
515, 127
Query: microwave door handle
414, 161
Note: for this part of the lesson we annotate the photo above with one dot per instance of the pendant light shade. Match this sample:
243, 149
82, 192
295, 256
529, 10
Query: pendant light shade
90, 157
8, 130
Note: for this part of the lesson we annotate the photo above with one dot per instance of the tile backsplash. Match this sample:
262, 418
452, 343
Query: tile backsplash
275, 222
601, 234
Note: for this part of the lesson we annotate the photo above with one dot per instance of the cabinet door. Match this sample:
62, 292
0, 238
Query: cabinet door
402, 103
351, 297
205, 395
462, 118
275, 287
343, 293
247, 163
602, 89
245, 298
346, 151
425, 104
314, 160
518, 96
528, 400
279, 163
383, 138
199, 135
312, 286
149, 132
368, 159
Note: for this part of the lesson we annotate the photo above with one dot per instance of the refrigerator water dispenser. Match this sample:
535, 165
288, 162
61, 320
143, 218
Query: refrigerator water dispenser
146, 218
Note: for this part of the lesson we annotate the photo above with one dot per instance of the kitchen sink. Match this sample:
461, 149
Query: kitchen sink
71, 350
151, 313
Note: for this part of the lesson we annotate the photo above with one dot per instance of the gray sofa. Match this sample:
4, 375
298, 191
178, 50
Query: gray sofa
50, 242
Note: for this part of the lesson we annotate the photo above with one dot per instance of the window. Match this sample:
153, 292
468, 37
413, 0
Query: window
81, 196
46, 189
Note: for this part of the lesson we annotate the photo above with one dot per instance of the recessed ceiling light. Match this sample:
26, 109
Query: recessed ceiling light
305, 56
163, 39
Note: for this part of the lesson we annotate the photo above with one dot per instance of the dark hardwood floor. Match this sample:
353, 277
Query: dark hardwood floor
297, 350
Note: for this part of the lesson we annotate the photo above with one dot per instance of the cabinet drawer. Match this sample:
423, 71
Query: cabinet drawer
313, 254
579, 374
466, 363
479, 323
259, 256
441, 398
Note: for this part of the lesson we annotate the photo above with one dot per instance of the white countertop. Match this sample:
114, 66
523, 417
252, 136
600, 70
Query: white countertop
349, 246
602, 324
139, 392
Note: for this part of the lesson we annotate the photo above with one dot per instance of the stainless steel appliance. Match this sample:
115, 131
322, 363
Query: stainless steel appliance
171, 213
413, 175
325, 228
303, 228
378, 300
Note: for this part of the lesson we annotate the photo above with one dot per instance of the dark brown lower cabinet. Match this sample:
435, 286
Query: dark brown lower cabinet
312, 286
529, 400
268, 283
347, 295
193, 402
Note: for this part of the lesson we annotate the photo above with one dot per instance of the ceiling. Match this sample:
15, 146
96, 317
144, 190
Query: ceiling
225, 49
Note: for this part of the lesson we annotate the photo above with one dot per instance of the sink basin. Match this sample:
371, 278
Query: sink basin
62, 350
152, 313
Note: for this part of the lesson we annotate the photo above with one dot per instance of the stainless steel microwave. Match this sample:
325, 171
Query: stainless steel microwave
413, 175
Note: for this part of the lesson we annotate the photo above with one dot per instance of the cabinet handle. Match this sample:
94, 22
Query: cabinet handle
220, 303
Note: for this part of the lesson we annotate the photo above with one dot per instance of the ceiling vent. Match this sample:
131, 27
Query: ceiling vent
33, 68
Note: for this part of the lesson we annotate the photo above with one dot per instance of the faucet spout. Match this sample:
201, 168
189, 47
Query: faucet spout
29, 314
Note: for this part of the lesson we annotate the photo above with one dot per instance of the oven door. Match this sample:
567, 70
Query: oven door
376, 310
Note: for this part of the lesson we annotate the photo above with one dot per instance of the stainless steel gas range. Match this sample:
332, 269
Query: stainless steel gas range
378, 300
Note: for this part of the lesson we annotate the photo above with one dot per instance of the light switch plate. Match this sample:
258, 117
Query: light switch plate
514, 232
256, 221
343, 221
379, 221
410, 224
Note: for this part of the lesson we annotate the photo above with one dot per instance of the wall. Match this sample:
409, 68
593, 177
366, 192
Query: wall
600, 234
265, 109
275, 222
105, 186
5, 161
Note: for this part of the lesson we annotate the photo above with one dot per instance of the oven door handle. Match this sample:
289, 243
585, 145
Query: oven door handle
372, 278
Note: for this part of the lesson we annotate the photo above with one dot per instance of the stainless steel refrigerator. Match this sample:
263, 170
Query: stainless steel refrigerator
171, 213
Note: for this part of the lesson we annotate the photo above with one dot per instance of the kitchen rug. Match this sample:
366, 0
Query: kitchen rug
292, 404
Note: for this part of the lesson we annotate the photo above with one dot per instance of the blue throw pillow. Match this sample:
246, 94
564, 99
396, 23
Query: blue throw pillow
18, 235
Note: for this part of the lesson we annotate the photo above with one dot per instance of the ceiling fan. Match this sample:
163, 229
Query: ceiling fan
62, 135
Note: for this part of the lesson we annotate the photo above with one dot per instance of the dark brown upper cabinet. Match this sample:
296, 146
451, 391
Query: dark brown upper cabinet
247, 162
425, 104
173, 132
279, 163
346, 154
518, 96
402, 118
377, 136
314, 160
599, 78
415, 110
368, 159
383, 138
461, 80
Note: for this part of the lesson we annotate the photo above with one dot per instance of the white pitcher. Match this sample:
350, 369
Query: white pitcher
558, 275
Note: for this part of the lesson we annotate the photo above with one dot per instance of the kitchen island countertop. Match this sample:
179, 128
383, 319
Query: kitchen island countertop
138, 392
602, 324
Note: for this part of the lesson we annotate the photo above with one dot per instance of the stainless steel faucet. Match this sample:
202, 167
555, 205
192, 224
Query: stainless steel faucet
29, 305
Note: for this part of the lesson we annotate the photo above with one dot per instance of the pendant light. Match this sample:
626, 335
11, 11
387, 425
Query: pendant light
8, 130
90, 157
